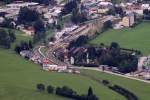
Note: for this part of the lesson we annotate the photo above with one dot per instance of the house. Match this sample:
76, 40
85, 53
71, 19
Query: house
29, 31
18, 5
102, 10
128, 20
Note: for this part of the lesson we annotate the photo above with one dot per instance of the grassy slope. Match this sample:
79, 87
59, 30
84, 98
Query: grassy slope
142, 90
136, 38
19, 78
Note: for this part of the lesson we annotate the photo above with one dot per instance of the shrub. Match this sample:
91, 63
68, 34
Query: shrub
40, 87
105, 82
50, 89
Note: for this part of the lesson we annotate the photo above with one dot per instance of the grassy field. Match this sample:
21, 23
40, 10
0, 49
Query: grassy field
19, 78
140, 89
136, 38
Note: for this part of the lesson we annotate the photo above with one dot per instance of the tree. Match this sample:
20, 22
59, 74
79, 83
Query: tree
40, 87
107, 59
12, 35
17, 49
90, 95
90, 91
24, 45
81, 40
75, 15
128, 66
68, 8
8, 23
114, 45
78, 17
50, 89
5, 40
107, 25
27, 15
30, 44
39, 26
39, 31
92, 52
58, 90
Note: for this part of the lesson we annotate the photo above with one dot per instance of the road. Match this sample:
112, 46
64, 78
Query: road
125, 76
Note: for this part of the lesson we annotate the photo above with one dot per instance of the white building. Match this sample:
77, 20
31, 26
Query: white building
49, 67
22, 4
145, 6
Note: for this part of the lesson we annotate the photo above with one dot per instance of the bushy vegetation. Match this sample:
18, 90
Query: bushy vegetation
8, 23
40, 87
129, 95
6, 38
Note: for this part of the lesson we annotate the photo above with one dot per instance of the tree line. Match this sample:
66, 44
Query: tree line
68, 92
129, 95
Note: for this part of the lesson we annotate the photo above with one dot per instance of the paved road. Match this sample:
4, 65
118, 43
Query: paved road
125, 76
39, 50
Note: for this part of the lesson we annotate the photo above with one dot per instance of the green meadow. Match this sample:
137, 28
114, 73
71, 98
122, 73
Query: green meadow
137, 37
